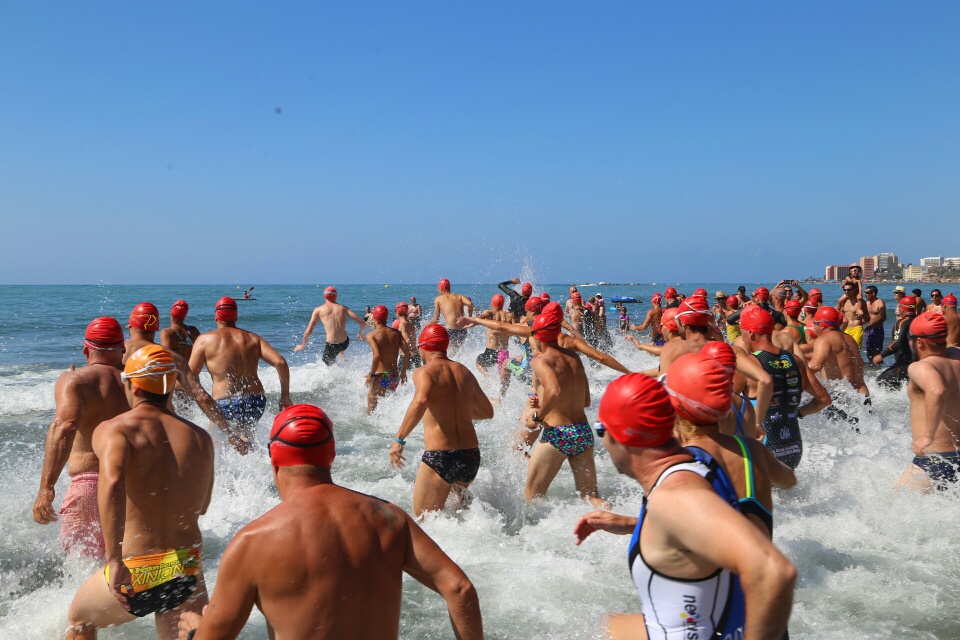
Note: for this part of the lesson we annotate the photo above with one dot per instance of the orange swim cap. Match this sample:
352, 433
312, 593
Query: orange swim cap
152, 369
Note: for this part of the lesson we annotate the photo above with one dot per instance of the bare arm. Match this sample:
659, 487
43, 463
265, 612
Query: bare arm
571, 330
166, 341
436, 311
314, 318
482, 408
405, 362
360, 321
928, 380
751, 368
426, 562
603, 521
467, 304
649, 348
819, 357
413, 416
521, 330
113, 451
192, 387
60, 436
233, 599
804, 296
599, 356
549, 388
780, 474
821, 398
269, 355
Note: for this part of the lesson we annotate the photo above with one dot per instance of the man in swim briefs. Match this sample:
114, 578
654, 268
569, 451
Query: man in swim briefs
873, 329
561, 394
386, 345
408, 331
855, 311
498, 343
84, 398
452, 306
934, 393
327, 563
517, 300
231, 356
156, 477
701, 569
415, 315
448, 399
179, 336
334, 318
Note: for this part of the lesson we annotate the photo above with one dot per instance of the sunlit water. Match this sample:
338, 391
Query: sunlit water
874, 561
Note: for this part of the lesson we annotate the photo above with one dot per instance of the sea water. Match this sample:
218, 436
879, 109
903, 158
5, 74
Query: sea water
874, 561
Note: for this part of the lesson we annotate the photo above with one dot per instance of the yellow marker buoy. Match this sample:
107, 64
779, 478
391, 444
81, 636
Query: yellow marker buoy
386, 286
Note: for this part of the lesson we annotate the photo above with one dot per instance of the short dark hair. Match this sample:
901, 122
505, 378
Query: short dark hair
917, 292
934, 291
871, 289
159, 398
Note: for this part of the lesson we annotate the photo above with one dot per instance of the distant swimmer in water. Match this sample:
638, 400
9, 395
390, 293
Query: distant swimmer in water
179, 336
327, 563
386, 345
561, 394
497, 352
334, 318
448, 399
452, 306
232, 356
518, 301
700, 567
934, 393
144, 324
84, 398
156, 477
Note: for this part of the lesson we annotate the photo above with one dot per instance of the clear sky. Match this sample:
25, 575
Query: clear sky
360, 142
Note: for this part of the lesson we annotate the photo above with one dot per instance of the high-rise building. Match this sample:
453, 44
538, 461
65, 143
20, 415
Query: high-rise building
868, 266
934, 261
914, 272
836, 271
885, 262
951, 263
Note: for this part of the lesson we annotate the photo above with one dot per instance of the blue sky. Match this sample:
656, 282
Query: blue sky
397, 142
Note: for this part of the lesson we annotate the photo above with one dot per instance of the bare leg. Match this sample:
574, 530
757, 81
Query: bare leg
626, 626
167, 622
430, 492
373, 396
914, 478
94, 607
585, 479
544, 465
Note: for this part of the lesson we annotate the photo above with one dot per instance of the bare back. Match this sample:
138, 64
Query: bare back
561, 385
385, 344
454, 400
450, 306
497, 339
953, 326
90, 395
947, 369
838, 355
232, 357
168, 477
334, 319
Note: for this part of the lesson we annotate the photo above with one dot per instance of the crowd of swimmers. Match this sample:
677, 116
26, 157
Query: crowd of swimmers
707, 434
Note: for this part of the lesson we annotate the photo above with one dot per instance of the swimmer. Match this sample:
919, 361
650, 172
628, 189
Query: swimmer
386, 345
517, 300
84, 398
669, 331
873, 330
333, 316
359, 544
895, 376
406, 328
934, 394
761, 298
652, 321
671, 297
837, 356
953, 322
568, 306
143, 325
232, 356
498, 343
448, 399
414, 314
692, 551
156, 477
179, 336
561, 394
742, 419
452, 306
792, 309
855, 311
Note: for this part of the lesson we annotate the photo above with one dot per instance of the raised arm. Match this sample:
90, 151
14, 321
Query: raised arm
113, 451
314, 318
426, 562
60, 436
804, 296
278, 362
583, 347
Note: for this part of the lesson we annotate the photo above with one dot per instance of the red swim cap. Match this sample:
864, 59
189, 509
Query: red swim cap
302, 435
828, 317
554, 310
656, 298
401, 309
534, 304
576, 296
434, 337
179, 310
722, 353
949, 300
700, 292
226, 310
757, 320
497, 301
811, 330
816, 292
380, 313
762, 294
793, 308
636, 411
545, 296
930, 326
103, 334
145, 317
694, 311
733, 302
546, 328
700, 388
909, 305
526, 289
670, 292
330, 293
669, 319
443, 285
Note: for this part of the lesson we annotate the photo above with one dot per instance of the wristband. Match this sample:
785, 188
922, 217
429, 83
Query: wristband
402, 443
